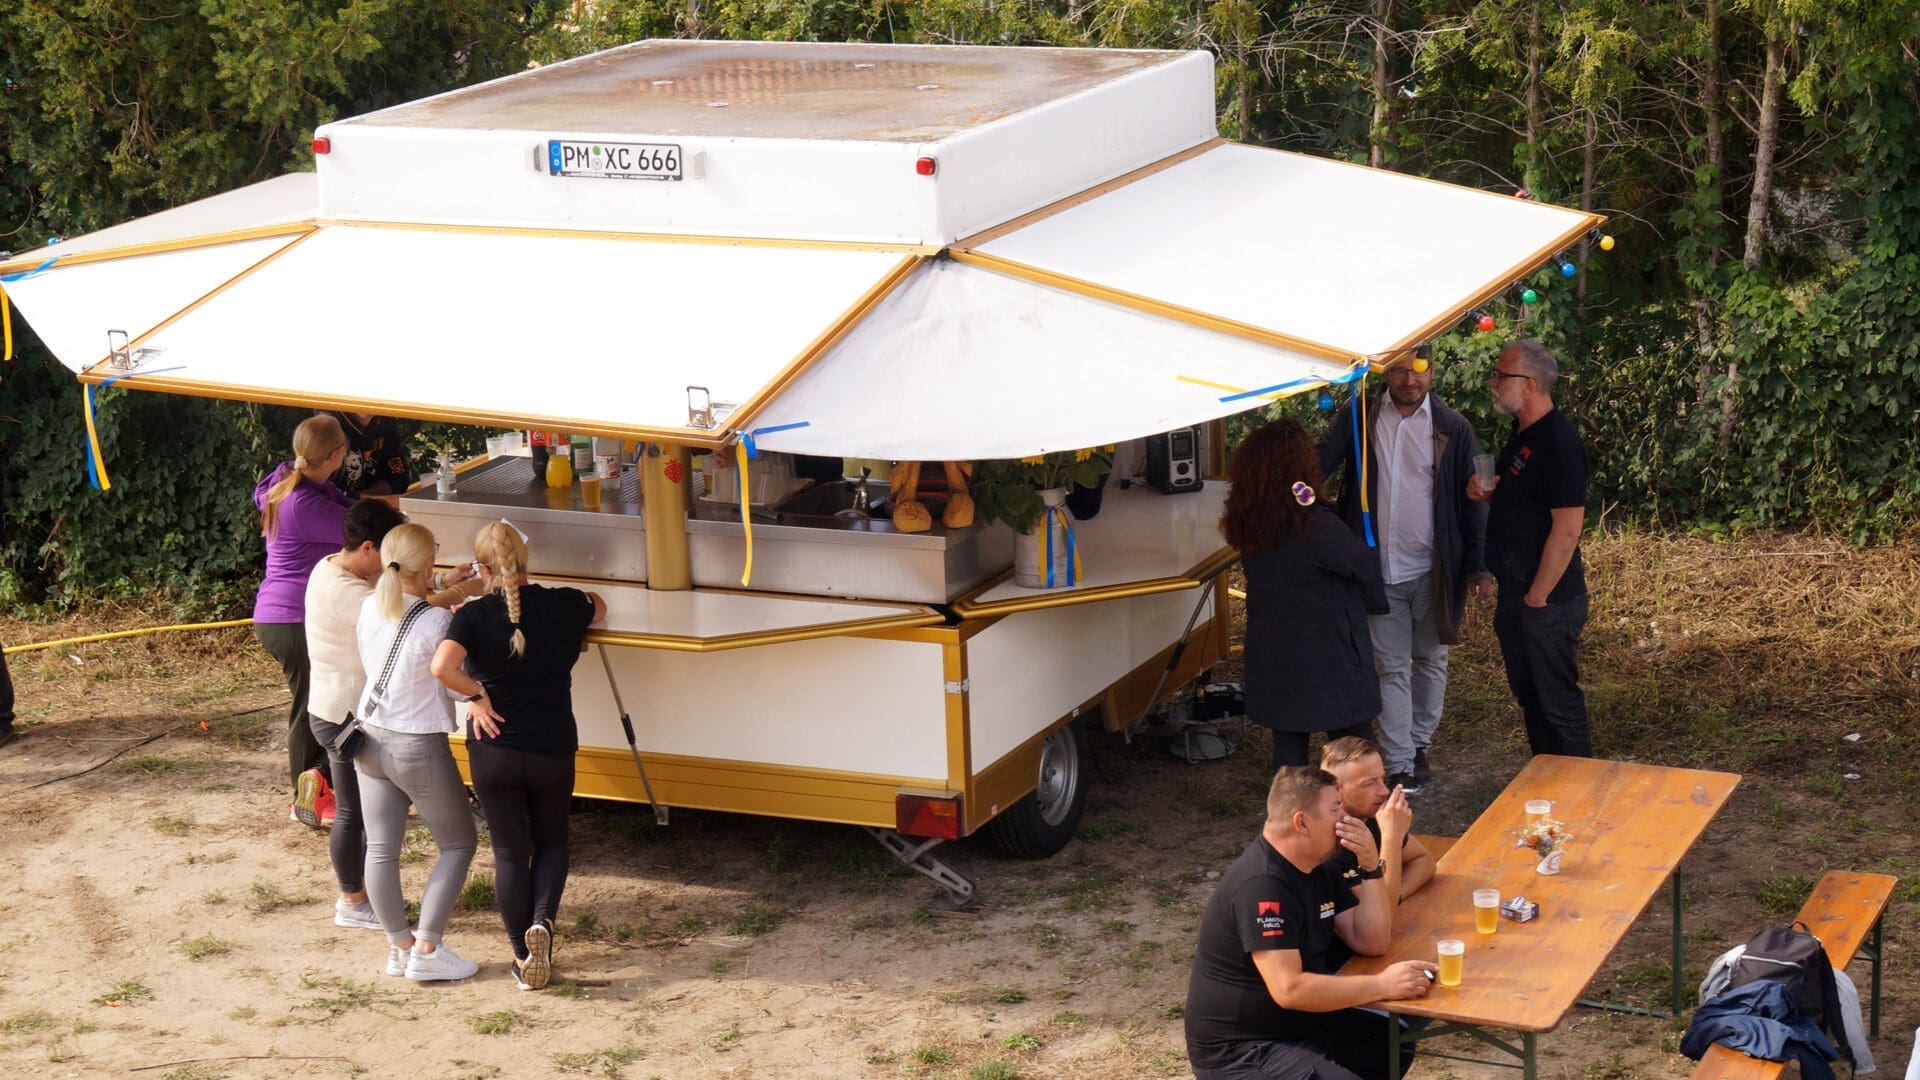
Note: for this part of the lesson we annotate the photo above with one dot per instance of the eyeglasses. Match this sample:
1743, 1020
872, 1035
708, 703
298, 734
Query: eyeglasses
1498, 375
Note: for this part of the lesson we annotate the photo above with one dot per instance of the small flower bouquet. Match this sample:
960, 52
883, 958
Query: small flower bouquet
1547, 839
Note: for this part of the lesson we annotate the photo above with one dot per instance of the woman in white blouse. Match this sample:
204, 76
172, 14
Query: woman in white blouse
404, 759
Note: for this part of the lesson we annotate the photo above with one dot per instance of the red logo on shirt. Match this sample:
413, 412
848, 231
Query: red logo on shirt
1269, 907
1267, 917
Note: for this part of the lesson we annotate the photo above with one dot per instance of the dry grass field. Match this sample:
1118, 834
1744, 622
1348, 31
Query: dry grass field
160, 917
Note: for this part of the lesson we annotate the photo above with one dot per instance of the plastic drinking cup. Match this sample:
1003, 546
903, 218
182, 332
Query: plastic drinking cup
1537, 809
1486, 910
590, 490
1483, 468
1452, 952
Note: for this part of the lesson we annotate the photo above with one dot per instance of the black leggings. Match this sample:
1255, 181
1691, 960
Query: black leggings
1290, 747
526, 798
347, 840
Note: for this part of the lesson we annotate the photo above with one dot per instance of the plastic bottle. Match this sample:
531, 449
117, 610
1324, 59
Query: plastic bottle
537, 441
582, 447
559, 472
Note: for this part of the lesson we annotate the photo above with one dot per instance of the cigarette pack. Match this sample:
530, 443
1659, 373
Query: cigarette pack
1519, 909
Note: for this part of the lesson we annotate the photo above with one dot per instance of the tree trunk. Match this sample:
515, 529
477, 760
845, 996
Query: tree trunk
1382, 85
1703, 306
1769, 142
1589, 153
1535, 123
1246, 96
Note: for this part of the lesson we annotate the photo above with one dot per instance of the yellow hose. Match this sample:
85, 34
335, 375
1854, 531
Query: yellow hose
11, 649
1237, 594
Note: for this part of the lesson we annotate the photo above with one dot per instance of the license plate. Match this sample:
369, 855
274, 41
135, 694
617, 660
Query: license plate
614, 161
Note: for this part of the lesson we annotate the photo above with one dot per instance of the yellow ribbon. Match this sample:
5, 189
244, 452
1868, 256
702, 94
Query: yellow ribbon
6, 324
742, 469
93, 442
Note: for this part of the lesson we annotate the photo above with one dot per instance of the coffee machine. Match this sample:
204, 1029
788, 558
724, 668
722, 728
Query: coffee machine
1173, 460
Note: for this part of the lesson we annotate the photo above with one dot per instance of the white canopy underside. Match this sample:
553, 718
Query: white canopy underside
1103, 321
961, 363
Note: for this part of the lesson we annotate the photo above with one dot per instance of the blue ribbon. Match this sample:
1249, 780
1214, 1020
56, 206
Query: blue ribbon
1066, 529
8, 279
1366, 516
753, 451
1359, 369
96, 454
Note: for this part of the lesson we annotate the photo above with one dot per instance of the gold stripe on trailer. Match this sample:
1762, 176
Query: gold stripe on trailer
160, 247
736, 787
971, 607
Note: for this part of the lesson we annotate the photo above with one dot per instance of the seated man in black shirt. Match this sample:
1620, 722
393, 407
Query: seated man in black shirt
1406, 864
1263, 1002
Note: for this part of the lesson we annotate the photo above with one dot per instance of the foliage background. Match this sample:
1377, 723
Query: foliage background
1748, 356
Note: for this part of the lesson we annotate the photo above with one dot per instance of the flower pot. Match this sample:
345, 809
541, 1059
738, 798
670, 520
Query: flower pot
1550, 864
1084, 502
1031, 548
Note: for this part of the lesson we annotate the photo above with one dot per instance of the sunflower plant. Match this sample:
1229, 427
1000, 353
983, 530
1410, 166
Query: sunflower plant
1009, 491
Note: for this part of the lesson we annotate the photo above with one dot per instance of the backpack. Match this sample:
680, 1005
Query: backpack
1794, 958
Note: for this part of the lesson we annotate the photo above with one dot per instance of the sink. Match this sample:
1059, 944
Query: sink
834, 498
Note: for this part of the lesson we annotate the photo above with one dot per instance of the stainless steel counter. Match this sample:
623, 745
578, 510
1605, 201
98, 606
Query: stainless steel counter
819, 556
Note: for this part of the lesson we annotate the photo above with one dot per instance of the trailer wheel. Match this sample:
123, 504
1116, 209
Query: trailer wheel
1042, 822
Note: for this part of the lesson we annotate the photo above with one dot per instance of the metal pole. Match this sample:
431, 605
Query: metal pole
1873, 1031
626, 724
1393, 1047
1678, 907
1529, 1058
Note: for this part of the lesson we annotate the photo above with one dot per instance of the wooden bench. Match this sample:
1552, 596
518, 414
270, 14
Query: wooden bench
1844, 913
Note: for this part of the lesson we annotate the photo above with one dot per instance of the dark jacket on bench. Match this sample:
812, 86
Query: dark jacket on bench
1761, 1020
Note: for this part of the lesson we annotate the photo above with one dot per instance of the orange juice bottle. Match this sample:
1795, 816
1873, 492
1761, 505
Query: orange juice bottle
559, 471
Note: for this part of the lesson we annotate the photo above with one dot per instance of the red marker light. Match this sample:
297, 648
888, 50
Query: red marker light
322, 145
924, 166
1485, 324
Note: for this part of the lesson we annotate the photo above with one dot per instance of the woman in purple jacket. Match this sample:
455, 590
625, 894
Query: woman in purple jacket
301, 513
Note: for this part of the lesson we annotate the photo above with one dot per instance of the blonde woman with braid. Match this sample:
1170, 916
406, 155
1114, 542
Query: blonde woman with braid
406, 717
301, 514
510, 654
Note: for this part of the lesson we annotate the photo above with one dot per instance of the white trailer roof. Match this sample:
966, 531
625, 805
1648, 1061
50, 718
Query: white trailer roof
1204, 281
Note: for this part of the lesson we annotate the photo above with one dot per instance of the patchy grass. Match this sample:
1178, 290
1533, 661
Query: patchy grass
498, 1022
993, 1070
172, 826
265, 897
477, 895
125, 992
1020, 1041
932, 1055
753, 922
154, 766
1783, 895
338, 997
27, 1023
204, 946
608, 1061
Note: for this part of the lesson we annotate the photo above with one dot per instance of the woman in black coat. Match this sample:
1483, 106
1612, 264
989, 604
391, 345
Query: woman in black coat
1310, 586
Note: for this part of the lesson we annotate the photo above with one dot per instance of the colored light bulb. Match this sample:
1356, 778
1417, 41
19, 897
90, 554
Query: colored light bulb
1485, 323
1420, 365
1606, 243
1567, 269
1528, 296
1325, 402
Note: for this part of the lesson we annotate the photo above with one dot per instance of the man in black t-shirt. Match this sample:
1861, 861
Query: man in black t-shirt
1537, 511
376, 456
1263, 1002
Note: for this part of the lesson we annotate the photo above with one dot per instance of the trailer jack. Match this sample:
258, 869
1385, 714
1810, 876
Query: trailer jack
957, 893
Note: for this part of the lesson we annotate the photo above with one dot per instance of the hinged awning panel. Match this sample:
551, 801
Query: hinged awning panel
591, 333
1358, 260
960, 363
284, 202
72, 306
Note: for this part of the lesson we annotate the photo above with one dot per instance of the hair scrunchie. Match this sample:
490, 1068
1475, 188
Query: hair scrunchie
394, 566
1303, 493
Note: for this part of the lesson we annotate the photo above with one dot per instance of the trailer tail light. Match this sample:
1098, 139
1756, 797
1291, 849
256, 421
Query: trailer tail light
927, 815
924, 166
322, 145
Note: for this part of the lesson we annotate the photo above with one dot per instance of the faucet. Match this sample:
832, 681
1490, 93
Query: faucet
860, 491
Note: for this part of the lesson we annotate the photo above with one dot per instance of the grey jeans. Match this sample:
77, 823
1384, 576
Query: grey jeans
1412, 665
397, 769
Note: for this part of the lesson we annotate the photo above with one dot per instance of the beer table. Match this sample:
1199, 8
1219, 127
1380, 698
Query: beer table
1631, 826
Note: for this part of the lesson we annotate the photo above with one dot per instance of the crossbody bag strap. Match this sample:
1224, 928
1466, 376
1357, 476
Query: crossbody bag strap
399, 638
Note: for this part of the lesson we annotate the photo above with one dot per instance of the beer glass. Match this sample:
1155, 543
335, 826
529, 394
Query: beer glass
1452, 955
1486, 910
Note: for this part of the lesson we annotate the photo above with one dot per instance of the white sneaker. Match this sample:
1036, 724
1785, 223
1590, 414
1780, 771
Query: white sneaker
537, 968
359, 916
441, 963
396, 961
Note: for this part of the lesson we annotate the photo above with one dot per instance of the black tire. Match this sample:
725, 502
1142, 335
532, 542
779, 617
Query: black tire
1044, 819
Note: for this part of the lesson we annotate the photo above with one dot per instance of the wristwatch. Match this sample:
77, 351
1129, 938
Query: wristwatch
478, 696
1379, 871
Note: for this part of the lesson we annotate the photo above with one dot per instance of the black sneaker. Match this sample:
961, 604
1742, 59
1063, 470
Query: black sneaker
1404, 781
1422, 772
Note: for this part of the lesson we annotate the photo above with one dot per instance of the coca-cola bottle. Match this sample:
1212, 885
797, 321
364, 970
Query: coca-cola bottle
537, 440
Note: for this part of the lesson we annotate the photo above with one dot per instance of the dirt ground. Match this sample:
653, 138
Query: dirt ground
160, 916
